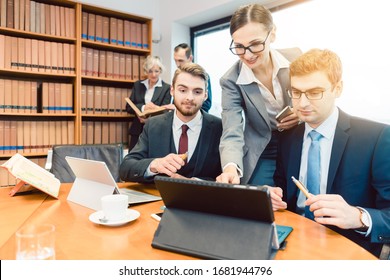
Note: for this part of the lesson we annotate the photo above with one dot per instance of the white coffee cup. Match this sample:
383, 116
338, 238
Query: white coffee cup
114, 206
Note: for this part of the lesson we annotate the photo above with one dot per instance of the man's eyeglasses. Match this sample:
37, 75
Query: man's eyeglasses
256, 47
311, 94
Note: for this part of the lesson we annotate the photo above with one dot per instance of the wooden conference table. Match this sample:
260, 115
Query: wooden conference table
79, 239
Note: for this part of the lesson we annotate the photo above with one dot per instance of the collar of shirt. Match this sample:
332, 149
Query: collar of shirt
327, 128
192, 124
247, 77
146, 83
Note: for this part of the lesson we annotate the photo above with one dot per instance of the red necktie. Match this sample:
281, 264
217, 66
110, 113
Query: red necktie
183, 141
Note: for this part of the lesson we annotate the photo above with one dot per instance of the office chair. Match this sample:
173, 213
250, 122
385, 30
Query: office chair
111, 154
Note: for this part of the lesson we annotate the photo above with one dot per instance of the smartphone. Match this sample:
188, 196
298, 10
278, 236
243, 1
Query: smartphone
284, 113
157, 216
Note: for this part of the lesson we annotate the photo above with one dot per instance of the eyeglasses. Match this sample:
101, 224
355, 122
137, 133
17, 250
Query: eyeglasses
255, 48
311, 94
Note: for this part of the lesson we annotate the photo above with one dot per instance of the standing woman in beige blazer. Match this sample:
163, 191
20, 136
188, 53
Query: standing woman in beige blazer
254, 91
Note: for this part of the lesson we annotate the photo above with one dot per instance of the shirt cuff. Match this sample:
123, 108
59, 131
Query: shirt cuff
148, 173
239, 171
366, 233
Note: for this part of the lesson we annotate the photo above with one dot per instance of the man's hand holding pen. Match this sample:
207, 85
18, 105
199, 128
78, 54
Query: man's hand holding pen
169, 164
330, 209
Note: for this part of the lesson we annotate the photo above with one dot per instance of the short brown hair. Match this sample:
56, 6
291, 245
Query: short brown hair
318, 60
186, 47
193, 69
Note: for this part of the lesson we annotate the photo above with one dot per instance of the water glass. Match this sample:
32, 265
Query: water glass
35, 242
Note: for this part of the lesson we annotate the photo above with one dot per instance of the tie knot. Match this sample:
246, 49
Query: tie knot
315, 136
184, 128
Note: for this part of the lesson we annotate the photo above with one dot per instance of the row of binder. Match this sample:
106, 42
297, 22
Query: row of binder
40, 136
115, 31
34, 136
38, 17
17, 96
108, 64
57, 98
97, 132
36, 55
99, 100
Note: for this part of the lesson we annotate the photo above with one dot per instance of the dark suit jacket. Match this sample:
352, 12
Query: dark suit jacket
208, 102
156, 141
161, 96
359, 171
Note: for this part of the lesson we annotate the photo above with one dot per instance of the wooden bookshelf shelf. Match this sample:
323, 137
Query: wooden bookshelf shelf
107, 81
34, 35
122, 49
36, 75
91, 117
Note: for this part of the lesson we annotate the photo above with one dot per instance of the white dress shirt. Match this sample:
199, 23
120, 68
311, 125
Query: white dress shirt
327, 130
274, 104
150, 91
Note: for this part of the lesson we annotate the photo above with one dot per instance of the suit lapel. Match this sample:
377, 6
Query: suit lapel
205, 138
156, 94
284, 80
294, 163
339, 142
254, 95
165, 134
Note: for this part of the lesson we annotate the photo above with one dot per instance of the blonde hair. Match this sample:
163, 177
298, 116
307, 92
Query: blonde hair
318, 60
151, 61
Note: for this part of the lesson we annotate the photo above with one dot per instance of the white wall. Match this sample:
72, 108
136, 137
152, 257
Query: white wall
172, 19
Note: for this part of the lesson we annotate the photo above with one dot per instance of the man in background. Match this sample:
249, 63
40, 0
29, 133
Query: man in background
183, 54
160, 147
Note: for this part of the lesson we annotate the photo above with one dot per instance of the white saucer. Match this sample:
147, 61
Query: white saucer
131, 215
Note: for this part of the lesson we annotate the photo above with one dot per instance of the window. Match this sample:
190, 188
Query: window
355, 30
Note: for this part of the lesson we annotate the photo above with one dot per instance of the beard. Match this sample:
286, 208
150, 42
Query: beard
181, 107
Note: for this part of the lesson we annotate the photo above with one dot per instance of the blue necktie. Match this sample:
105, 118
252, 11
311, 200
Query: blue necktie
313, 168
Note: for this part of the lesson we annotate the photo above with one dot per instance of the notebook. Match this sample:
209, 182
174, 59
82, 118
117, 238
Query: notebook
94, 180
217, 221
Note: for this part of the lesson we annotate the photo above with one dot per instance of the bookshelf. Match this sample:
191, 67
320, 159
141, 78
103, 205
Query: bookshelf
65, 69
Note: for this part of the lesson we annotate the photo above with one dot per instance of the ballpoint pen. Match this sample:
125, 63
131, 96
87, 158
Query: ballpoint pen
301, 187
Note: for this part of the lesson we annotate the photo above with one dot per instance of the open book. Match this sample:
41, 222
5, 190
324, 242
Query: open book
146, 113
31, 174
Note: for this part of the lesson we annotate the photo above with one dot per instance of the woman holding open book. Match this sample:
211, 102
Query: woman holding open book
148, 95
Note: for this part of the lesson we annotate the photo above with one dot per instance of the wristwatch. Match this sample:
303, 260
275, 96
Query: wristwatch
364, 220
